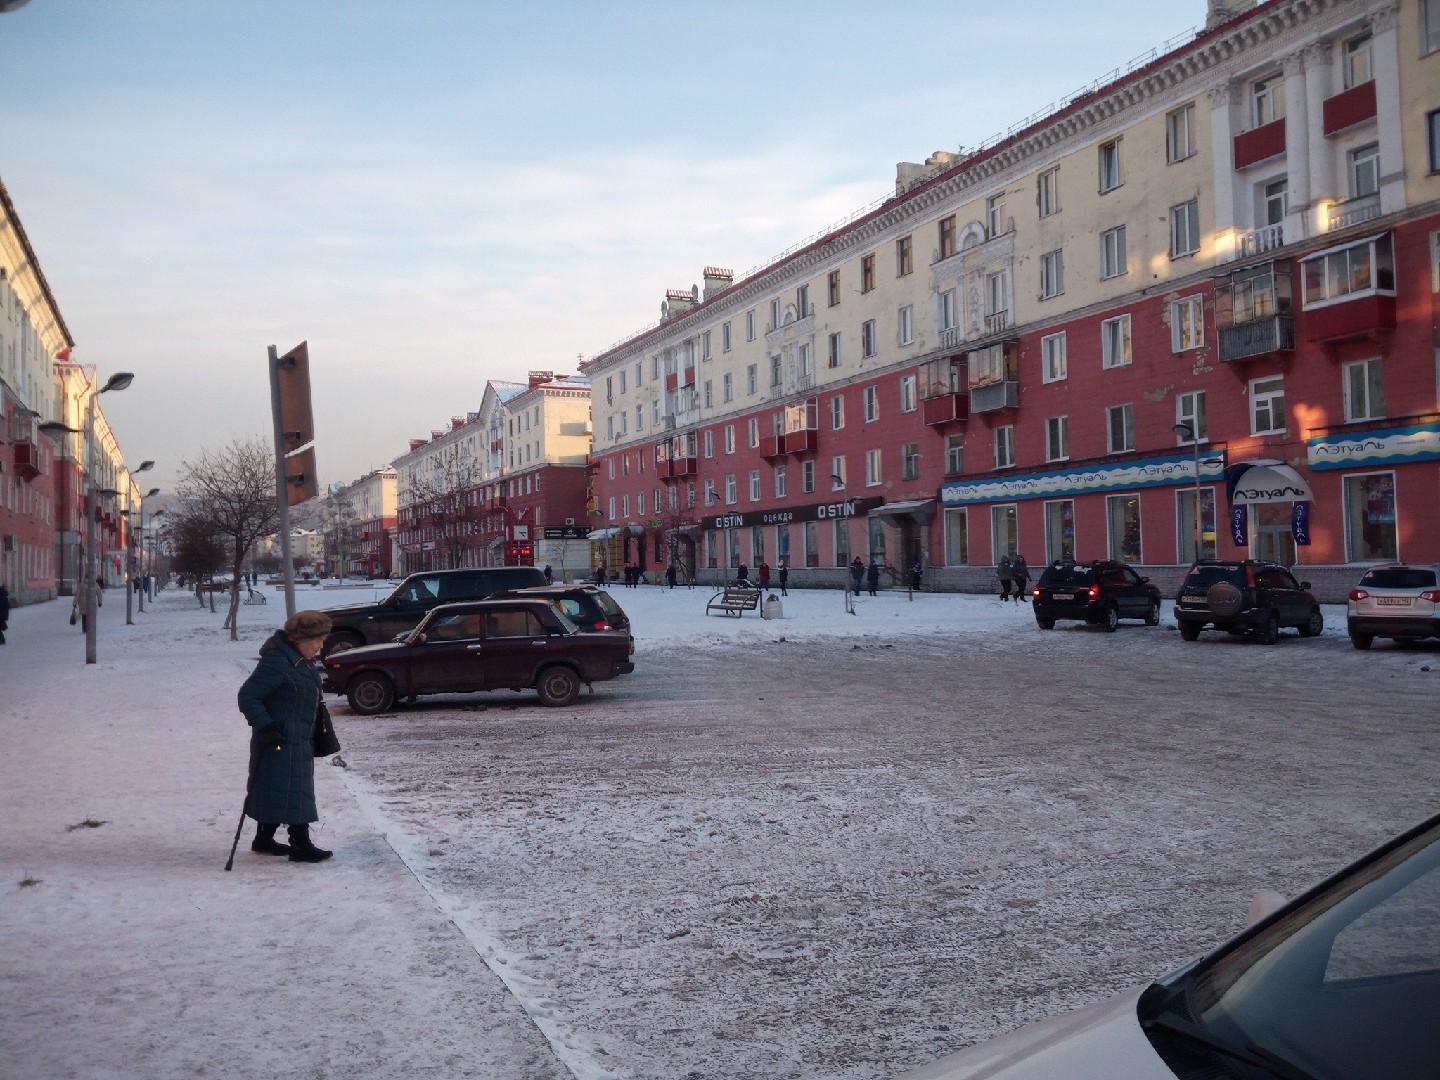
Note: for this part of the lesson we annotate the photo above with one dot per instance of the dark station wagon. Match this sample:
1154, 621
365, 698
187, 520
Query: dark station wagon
1100, 593
482, 645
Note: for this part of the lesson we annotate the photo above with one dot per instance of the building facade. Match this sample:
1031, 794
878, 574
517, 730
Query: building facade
1075, 342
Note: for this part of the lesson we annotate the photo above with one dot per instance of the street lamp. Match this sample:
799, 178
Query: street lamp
1186, 432
130, 542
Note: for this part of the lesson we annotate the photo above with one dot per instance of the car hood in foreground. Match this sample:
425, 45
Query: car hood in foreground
1098, 1042
388, 650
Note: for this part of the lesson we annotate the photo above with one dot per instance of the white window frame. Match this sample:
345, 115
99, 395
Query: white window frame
1180, 134
1267, 396
954, 455
1275, 200
709, 441
753, 427
949, 312
908, 393
1360, 401
732, 490
752, 379
729, 438
994, 216
834, 354
1113, 259
1185, 229
807, 477
1005, 446
1120, 429
1054, 366
837, 472
1267, 99
1187, 323
1359, 61
782, 482
1190, 410
874, 476
1110, 175
872, 404
1334, 271
910, 461
727, 387
867, 338
1057, 438
905, 325
755, 493
1364, 163
837, 412
1052, 274
1115, 350
1047, 197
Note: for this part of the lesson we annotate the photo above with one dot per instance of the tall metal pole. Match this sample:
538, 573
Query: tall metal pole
282, 493
92, 587
131, 578
1199, 530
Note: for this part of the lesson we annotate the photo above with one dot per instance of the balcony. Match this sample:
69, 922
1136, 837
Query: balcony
1353, 212
679, 468
1259, 337
1266, 141
27, 460
1259, 241
1369, 315
800, 442
943, 410
1350, 107
995, 396
676, 379
952, 337
997, 323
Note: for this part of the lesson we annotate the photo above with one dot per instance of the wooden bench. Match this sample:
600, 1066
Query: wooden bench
735, 600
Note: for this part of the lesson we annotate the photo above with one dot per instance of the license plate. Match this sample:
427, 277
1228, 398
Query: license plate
1062, 596
1394, 601
1192, 601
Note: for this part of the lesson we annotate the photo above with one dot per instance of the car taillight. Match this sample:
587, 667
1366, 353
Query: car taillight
1250, 576
1094, 592
1035, 592
1432, 595
602, 625
1359, 594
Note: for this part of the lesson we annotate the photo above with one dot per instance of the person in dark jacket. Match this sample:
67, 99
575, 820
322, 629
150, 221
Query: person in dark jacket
917, 570
280, 700
784, 576
4, 612
1020, 572
1006, 575
857, 573
872, 576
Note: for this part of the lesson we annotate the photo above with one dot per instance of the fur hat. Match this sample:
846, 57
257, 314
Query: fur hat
307, 625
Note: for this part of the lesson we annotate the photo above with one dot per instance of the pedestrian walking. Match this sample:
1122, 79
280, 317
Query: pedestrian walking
857, 573
1006, 575
1020, 573
4, 612
742, 575
549, 575
784, 576
916, 571
671, 573
872, 576
281, 700
763, 574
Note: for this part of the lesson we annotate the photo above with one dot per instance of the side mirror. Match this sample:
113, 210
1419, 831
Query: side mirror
1144, 581
1265, 903
1305, 585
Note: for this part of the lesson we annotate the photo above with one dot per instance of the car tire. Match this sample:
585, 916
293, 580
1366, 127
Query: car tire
1270, 632
370, 693
1189, 631
341, 642
1314, 626
1044, 624
557, 686
1361, 641
1112, 618
1224, 600
1152, 614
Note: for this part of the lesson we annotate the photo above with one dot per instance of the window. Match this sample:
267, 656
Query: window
1358, 68
611, 463
905, 325
802, 301
754, 485
752, 379
1346, 272
1123, 514
1185, 531
867, 338
994, 216
947, 236
837, 472
639, 374
774, 315
907, 393
1005, 446
832, 288
1185, 229
754, 430
774, 371
1187, 324
1120, 425
807, 476
1275, 201
1267, 405
837, 413
1052, 274
732, 492
872, 404
833, 354
1432, 127
1048, 193
948, 310
729, 438
1180, 134
997, 293
749, 326
872, 468
1190, 410
1364, 174
867, 273
1109, 166
1370, 521
1267, 98
1004, 532
1430, 26
954, 455
625, 506
1052, 358
709, 394
1115, 342
1060, 530
781, 481
622, 390
1364, 390
1112, 252
727, 388
709, 442
639, 417
725, 337
1057, 438
910, 461
904, 259
705, 353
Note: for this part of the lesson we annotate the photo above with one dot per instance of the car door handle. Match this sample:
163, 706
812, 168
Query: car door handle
473, 648
539, 643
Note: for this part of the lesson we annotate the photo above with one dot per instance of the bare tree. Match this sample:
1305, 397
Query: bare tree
235, 488
198, 549
441, 502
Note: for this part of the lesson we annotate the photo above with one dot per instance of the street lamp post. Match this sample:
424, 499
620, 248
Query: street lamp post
838, 482
1186, 431
130, 577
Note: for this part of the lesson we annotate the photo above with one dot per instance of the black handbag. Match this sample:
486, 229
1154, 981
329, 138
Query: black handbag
326, 741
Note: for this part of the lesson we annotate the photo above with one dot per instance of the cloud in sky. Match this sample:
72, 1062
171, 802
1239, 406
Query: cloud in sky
438, 193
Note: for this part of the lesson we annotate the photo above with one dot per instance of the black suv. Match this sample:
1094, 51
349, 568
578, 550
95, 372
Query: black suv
375, 624
1100, 593
1246, 597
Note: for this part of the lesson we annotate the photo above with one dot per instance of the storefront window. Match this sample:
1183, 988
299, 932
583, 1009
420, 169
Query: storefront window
732, 542
1185, 524
712, 556
957, 538
877, 541
812, 543
1123, 512
1370, 534
1004, 533
782, 542
1060, 531
757, 544
842, 542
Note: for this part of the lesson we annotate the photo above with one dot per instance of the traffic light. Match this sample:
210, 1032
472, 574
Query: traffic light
519, 554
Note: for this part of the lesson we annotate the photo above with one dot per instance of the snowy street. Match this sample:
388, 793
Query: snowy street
821, 847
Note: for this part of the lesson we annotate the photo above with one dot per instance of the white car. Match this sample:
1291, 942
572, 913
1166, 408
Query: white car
1342, 983
1395, 602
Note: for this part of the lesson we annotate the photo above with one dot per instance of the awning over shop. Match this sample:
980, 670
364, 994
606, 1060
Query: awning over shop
604, 534
918, 511
1265, 481
633, 530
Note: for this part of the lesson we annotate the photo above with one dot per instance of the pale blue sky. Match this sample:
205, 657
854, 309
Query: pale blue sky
437, 192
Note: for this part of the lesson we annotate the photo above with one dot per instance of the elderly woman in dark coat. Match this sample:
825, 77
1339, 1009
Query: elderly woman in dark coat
280, 700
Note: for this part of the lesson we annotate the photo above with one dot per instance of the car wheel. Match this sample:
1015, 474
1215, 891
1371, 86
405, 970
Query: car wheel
1112, 618
338, 643
1314, 625
1189, 631
1224, 599
370, 693
557, 686
1361, 641
1044, 624
1270, 633
1152, 614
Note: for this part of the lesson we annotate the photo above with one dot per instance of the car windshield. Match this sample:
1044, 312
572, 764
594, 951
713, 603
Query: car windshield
1213, 574
1066, 574
1346, 987
1399, 577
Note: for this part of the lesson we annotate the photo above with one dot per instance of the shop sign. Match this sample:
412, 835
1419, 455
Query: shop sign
846, 508
1387, 446
1119, 476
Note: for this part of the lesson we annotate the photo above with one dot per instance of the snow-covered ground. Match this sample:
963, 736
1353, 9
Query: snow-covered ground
831, 845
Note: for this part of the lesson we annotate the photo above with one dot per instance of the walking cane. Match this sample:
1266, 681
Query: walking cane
230, 862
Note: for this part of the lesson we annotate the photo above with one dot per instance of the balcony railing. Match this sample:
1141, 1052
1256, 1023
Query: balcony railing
1259, 241
997, 323
944, 409
1260, 337
1354, 212
951, 337
989, 398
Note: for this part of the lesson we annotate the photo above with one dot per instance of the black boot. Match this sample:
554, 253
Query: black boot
265, 842
301, 849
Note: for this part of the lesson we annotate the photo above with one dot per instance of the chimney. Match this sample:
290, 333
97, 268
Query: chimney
456, 423
717, 281
415, 444
1222, 11
678, 301
435, 433
540, 378
910, 175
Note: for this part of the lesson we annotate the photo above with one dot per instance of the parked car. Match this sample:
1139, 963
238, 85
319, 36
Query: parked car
482, 645
589, 607
372, 624
1099, 593
1340, 983
1399, 602
1246, 597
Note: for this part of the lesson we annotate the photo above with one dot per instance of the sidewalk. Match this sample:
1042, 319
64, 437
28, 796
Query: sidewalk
131, 953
